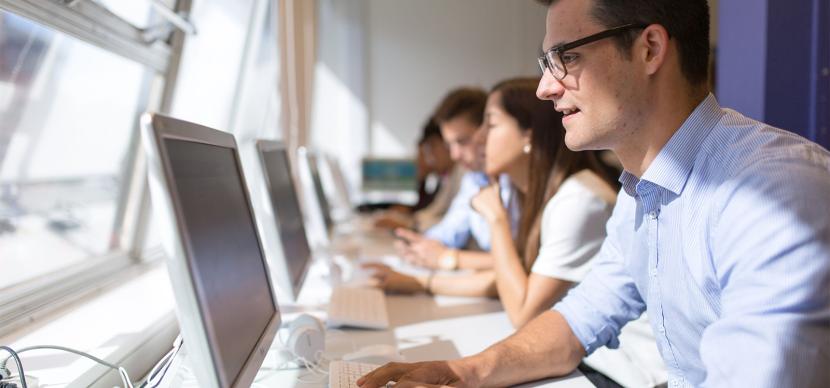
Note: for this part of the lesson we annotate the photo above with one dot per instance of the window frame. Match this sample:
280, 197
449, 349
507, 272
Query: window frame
94, 24
38, 300
90, 22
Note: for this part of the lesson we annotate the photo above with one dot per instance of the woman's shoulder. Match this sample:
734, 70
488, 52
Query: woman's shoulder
588, 186
580, 196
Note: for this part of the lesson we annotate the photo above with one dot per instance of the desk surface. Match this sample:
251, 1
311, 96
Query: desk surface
422, 327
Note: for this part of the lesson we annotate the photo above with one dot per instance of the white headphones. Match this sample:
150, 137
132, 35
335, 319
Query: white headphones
306, 339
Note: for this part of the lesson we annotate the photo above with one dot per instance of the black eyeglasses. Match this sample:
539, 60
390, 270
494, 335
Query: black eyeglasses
556, 58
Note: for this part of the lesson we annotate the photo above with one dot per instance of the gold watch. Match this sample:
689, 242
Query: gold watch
448, 260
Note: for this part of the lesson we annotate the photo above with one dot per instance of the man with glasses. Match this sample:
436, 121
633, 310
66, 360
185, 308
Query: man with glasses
721, 232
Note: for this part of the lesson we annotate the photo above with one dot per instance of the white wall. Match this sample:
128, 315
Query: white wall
418, 50
385, 64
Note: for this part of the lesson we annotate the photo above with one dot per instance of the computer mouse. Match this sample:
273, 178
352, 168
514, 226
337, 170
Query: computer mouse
375, 354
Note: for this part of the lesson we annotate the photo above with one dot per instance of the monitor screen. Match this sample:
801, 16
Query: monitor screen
224, 255
318, 190
389, 174
296, 249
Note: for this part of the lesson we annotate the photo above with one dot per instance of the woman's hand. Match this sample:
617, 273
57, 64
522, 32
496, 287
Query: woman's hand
488, 203
395, 282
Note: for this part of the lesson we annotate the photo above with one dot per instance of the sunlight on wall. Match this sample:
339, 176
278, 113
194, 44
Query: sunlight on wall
339, 123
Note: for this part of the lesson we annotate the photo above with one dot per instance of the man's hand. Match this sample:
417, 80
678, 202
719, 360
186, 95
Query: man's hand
394, 282
419, 374
419, 250
393, 219
544, 347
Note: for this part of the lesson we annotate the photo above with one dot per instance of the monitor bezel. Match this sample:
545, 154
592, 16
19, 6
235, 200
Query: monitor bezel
157, 128
321, 234
338, 178
313, 160
263, 146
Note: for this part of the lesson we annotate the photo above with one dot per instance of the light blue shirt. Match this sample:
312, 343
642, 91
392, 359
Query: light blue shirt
462, 221
725, 242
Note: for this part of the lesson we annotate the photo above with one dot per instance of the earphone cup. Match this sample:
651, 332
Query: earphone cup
307, 338
303, 320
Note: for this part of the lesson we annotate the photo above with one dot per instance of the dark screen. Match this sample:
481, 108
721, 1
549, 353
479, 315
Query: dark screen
228, 269
289, 217
321, 194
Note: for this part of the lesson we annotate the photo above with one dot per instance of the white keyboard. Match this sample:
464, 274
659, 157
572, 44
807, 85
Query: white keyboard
344, 374
358, 307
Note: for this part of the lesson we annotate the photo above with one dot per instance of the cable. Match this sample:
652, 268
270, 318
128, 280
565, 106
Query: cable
158, 371
122, 373
19, 365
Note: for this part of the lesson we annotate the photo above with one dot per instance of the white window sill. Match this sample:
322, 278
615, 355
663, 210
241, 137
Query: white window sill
131, 325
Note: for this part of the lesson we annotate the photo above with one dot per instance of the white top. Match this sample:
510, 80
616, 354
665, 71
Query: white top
573, 229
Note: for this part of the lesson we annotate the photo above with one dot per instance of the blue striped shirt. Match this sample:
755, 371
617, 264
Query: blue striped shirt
462, 221
725, 242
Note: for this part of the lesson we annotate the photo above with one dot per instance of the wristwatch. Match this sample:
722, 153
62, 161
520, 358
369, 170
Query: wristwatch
448, 260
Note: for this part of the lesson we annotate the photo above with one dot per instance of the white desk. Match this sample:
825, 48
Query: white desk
423, 328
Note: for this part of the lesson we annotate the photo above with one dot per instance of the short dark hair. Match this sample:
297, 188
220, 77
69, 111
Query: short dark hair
431, 130
469, 102
687, 21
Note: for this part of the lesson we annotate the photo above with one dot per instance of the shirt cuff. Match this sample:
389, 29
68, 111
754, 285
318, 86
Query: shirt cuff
585, 323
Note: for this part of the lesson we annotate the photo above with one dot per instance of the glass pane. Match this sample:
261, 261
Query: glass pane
257, 114
136, 12
211, 62
67, 110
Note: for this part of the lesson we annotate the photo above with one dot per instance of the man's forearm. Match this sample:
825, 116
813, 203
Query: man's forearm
545, 347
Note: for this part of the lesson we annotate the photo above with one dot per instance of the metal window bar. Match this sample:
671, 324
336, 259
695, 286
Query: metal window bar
94, 24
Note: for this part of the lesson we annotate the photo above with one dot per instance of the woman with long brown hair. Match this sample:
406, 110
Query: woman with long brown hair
566, 199
525, 140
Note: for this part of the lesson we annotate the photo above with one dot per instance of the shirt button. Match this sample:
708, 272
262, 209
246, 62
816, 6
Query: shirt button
652, 215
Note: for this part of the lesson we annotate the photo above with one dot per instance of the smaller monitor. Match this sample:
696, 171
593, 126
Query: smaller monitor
314, 199
228, 313
337, 181
386, 174
292, 261
319, 190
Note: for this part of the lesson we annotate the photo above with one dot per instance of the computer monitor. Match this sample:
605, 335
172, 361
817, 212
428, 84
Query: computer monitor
315, 201
228, 313
292, 258
319, 190
388, 174
337, 180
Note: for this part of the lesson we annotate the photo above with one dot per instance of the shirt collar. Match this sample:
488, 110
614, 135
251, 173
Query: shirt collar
673, 165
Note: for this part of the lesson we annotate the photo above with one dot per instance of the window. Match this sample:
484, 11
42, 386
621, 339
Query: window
136, 12
238, 91
258, 107
69, 111
74, 79
211, 61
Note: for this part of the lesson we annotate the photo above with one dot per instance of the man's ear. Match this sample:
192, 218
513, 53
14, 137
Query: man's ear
652, 46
